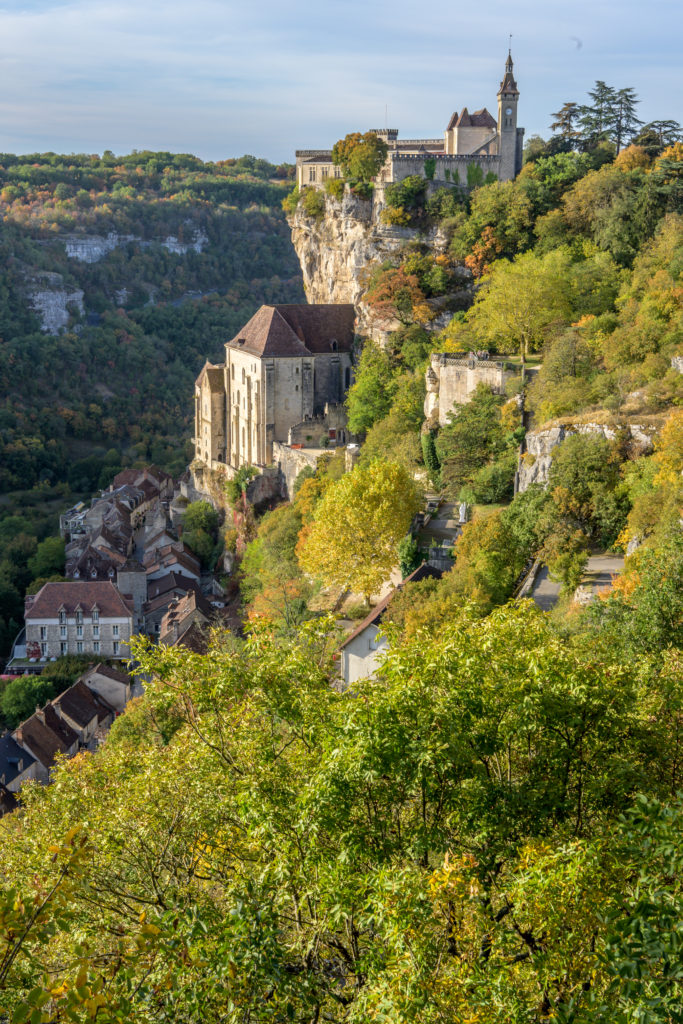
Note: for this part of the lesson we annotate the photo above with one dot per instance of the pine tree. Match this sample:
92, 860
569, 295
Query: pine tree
597, 119
625, 123
564, 123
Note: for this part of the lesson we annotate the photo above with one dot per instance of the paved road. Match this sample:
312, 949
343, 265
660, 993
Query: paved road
599, 571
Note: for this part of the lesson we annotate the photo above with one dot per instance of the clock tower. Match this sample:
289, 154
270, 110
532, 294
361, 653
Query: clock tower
510, 138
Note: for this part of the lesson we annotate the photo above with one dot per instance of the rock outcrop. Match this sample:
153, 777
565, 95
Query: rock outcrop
50, 300
93, 248
536, 462
337, 252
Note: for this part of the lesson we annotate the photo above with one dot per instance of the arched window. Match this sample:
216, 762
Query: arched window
334, 345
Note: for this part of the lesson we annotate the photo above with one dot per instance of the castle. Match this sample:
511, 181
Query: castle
470, 141
284, 379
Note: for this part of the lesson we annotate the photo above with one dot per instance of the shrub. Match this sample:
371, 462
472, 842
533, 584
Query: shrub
475, 176
291, 201
313, 202
430, 168
335, 188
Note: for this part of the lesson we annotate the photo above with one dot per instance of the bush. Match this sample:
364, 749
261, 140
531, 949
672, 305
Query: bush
430, 168
22, 696
291, 201
475, 176
313, 202
335, 188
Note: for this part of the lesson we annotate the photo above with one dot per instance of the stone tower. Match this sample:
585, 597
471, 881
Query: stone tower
510, 136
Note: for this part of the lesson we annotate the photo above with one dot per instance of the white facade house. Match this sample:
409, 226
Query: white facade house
78, 617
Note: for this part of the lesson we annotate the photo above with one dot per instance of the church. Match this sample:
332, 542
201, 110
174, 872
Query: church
478, 140
285, 374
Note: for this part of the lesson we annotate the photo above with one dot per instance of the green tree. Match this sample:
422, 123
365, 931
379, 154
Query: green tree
48, 559
565, 121
22, 696
360, 157
370, 396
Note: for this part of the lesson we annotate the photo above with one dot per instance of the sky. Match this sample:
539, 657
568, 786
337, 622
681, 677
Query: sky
220, 78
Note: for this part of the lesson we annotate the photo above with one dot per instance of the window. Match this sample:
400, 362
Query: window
62, 618
96, 631
325, 172
114, 630
43, 632
96, 647
62, 632
79, 647
311, 173
244, 376
63, 648
232, 371
43, 650
79, 617
95, 615
79, 630
116, 647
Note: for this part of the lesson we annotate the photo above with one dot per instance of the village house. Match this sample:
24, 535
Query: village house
494, 146
185, 622
289, 367
87, 713
361, 650
78, 617
112, 686
172, 558
45, 735
17, 765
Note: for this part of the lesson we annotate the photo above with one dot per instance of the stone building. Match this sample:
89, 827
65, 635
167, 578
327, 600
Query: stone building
469, 140
78, 617
451, 378
289, 366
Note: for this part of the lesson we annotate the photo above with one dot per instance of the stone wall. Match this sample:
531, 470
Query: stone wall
451, 379
290, 462
310, 431
50, 301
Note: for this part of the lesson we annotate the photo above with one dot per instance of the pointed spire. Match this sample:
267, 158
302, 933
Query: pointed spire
508, 84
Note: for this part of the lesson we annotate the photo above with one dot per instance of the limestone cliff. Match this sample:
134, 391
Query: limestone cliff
536, 461
338, 251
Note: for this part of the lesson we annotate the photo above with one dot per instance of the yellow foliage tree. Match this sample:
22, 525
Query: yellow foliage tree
357, 526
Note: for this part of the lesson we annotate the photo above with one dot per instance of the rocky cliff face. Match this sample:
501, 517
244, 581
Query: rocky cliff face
337, 252
536, 461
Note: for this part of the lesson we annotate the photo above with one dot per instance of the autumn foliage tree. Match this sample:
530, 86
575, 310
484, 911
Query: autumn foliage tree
360, 156
353, 539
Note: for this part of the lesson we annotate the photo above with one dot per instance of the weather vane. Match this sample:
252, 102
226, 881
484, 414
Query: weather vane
510, 45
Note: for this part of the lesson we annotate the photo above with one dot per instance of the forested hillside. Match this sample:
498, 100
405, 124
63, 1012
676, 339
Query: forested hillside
140, 267
184, 252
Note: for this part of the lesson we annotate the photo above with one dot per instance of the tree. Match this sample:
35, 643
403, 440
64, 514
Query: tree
657, 135
370, 396
22, 696
565, 120
357, 526
48, 559
625, 121
360, 157
597, 120
520, 301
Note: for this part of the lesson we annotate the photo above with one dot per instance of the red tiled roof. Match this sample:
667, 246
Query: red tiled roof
171, 581
213, 375
78, 593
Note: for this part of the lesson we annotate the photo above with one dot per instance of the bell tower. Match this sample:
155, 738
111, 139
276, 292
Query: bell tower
509, 137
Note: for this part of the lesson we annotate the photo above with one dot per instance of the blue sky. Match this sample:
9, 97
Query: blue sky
220, 78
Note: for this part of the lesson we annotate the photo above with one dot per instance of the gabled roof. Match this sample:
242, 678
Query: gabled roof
423, 572
108, 673
479, 119
171, 581
10, 756
81, 705
297, 330
213, 375
453, 121
46, 735
83, 594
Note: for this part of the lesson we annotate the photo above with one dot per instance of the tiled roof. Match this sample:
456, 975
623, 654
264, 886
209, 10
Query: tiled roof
46, 735
81, 705
10, 756
181, 612
194, 639
78, 593
213, 375
108, 673
297, 330
171, 581
423, 572
479, 119
318, 325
